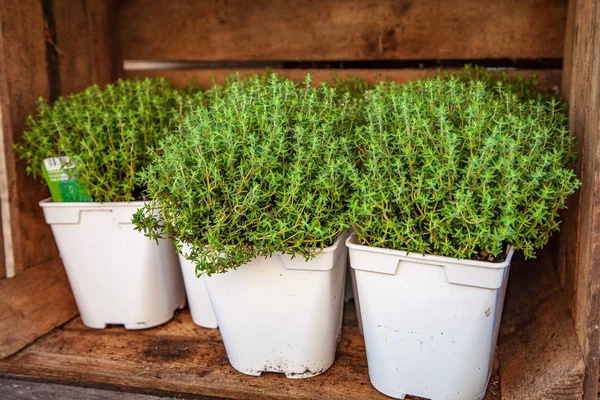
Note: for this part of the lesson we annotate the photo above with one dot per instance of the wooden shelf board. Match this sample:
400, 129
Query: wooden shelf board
538, 355
182, 359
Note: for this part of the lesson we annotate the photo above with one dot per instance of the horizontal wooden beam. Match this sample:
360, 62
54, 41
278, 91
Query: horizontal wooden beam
549, 79
307, 30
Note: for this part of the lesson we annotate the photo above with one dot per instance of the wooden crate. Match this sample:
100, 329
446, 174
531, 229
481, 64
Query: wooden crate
550, 340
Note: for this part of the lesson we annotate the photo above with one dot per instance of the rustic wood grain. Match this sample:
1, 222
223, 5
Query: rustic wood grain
581, 277
549, 79
105, 56
568, 50
89, 55
2, 244
73, 42
87, 42
341, 29
32, 304
566, 250
13, 389
182, 359
23, 78
538, 348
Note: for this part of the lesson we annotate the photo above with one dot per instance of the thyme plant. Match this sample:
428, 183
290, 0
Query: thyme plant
525, 89
262, 169
105, 133
355, 86
451, 168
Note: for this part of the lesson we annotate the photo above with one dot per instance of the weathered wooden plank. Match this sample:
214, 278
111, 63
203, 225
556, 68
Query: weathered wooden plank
2, 256
568, 232
581, 279
341, 30
549, 79
73, 42
538, 348
568, 50
87, 43
13, 389
105, 57
182, 358
32, 304
23, 78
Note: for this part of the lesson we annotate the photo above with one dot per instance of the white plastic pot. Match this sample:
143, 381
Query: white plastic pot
201, 308
118, 276
282, 314
430, 323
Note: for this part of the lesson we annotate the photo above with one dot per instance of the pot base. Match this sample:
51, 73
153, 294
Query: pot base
281, 368
154, 322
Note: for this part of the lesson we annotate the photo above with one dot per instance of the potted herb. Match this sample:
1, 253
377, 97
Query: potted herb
252, 190
453, 179
523, 88
91, 146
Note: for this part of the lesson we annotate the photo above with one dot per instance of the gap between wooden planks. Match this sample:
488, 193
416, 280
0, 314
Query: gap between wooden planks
549, 79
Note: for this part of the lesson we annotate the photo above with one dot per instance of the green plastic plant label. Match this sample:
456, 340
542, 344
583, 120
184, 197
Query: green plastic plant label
63, 186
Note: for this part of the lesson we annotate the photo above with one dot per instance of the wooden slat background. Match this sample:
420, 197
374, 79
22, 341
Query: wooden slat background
2, 255
85, 36
579, 253
23, 78
341, 29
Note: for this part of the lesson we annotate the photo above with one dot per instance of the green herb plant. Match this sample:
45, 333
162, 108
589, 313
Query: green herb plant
452, 168
524, 88
105, 133
262, 169
355, 86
